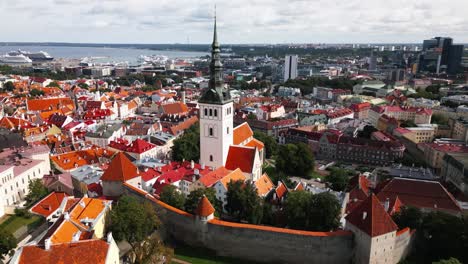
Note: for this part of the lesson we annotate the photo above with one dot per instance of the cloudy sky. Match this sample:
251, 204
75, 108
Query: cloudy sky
240, 21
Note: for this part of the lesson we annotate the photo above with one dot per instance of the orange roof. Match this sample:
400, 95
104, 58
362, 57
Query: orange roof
299, 187
49, 204
264, 185
370, 216
174, 108
132, 104
212, 177
183, 125
83, 252
236, 175
87, 208
240, 157
73, 159
241, 133
47, 104
255, 143
64, 233
204, 207
120, 169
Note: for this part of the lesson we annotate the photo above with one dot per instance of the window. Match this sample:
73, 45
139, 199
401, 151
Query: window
215, 112
211, 132
211, 157
227, 128
211, 112
206, 112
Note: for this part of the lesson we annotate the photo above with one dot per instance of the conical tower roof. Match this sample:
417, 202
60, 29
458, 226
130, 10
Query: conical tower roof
204, 208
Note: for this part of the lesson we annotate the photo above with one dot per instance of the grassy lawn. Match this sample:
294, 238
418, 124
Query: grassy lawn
14, 222
203, 256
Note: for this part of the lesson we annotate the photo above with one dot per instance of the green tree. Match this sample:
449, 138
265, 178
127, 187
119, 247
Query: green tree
338, 179
192, 200
54, 84
7, 243
187, 147
439, 119
243, 202
367, 131
296, 209
306, 211
408, 216
37, 191
251, 116
271, 146
295, 159
83, 86
172, 196
135, 222
35, 92
9, 86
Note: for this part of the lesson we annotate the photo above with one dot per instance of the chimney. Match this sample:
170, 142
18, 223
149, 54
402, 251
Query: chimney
47, 244
76, 236
66, 216
387, 204
202, 166
364, 215
192, 164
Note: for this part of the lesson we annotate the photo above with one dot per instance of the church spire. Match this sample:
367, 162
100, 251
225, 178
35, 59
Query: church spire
216, 92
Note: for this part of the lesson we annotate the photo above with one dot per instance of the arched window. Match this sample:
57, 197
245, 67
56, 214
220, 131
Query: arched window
227, 129
206, 112
216, 112
211, 132
211, 112
211, 157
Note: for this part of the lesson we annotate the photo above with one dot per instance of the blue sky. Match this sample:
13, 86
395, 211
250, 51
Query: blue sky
240, 21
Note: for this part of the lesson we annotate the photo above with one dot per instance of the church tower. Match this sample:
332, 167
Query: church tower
216, 113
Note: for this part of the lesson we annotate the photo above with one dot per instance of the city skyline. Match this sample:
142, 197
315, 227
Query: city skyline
125, 21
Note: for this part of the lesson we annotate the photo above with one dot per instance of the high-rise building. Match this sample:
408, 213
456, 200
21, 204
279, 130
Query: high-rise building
290, 67
216, 114
439, 55
372, 62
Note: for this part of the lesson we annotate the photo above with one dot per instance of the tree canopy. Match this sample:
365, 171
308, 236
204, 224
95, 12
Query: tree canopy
35, 92
243, 202
135, 222
271, 146
295, 159
172, 196
7, 243
8, 86
53, 84
187, 147
192, 200
37, 191
338, 179
315, 212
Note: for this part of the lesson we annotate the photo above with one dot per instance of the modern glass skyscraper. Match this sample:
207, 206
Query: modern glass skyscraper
439, 55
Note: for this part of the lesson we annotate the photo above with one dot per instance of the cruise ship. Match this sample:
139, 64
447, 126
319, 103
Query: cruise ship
34, 56
15, 60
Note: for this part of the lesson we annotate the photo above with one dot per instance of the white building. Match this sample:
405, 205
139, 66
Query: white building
20, 166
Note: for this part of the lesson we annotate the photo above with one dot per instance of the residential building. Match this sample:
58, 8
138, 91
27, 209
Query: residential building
416, 115
221, 186
120, 170
17, 168
105, 134
455, 170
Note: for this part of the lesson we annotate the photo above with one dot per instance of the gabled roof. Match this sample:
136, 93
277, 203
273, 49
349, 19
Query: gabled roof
120, 169
281, 190
212, 177
88, 209
49, 204
236, 175
255, 143
419, 193
204, 207
139, 146
174, 108
370, 216
264, 185
46, 104
241, 157
241, 133
82, 252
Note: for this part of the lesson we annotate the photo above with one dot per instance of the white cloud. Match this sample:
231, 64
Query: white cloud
241, 21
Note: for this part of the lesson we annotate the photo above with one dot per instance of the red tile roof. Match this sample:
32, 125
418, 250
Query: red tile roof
83, 252
264, 185
419, 193
255, 143
49, 204
370, 216
241, 133
46, 104
120, 169
281, 190
174, 108
240, 157
212, 177
204, 207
